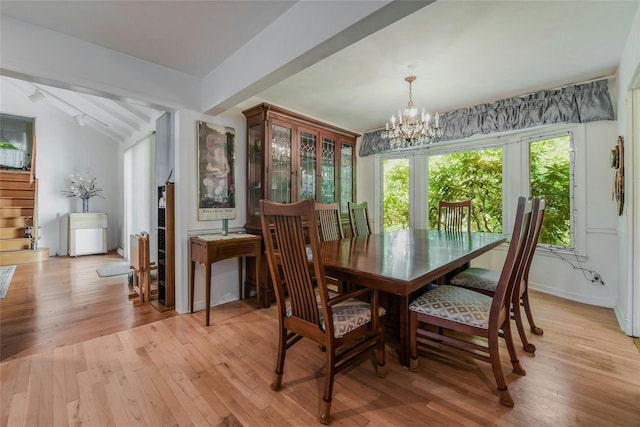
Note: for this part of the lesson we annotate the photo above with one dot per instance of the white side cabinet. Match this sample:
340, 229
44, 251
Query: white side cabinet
87, 234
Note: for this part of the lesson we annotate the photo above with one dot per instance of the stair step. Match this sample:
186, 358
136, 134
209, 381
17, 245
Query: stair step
16, 202
17, 221
21, 193
12, 212
24, 256
16, 185
10, 245
15, 176
11, 232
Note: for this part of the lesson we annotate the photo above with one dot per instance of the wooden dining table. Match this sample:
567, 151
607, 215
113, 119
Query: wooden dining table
400, 263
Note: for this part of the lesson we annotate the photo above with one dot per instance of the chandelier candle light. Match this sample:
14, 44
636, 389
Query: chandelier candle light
409, 130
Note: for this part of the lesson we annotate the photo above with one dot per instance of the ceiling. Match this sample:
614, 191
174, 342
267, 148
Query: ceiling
463, 53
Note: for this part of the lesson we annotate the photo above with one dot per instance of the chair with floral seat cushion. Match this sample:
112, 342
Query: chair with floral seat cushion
451, 318
486, 280
347, 327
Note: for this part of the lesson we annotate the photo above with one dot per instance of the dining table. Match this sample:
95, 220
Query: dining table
402, 263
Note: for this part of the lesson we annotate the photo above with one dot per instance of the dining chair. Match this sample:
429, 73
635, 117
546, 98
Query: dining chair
460, 315
345, 326
329, 222
359, 219
452, 215
486, 281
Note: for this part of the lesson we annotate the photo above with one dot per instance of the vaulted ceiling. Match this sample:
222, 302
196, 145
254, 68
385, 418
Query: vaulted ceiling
463, 52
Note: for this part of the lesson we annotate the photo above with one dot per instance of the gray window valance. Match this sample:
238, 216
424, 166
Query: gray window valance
581, 103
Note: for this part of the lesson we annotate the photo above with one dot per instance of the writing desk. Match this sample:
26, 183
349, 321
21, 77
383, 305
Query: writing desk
403, 262
207, 249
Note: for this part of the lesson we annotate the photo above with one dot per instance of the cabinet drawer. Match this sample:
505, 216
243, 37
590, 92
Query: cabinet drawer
237, 249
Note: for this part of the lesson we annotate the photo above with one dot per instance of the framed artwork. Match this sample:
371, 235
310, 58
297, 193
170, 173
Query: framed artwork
216, 168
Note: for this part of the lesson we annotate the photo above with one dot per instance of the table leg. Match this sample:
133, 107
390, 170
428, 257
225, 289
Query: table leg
403, 351
258, 268
240, 260
193, 278
207, 300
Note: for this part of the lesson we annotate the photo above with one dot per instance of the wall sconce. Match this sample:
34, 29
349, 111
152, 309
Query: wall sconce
37, 96
79, 120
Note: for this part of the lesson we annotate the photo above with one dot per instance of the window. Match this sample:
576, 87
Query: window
469, 175
492, 172
550, 177
395, 210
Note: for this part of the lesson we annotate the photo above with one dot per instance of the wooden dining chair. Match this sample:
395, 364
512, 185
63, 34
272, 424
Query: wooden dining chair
453, 215
359, 219
329, 222
486, 281
461, 315
345, 326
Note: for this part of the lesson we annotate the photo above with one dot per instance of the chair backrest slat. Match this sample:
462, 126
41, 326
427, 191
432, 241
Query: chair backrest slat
359, 219
329, 223
453, 215
511, 270
285, 242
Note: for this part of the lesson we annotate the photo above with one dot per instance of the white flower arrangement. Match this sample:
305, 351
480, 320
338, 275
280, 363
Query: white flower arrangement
83, 186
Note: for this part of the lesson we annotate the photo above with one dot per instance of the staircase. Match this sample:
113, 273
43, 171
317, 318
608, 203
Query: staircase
18, 197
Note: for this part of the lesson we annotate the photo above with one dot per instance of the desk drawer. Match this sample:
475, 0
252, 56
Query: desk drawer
235, 250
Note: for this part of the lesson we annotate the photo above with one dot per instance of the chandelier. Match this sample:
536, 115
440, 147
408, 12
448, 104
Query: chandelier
409, 130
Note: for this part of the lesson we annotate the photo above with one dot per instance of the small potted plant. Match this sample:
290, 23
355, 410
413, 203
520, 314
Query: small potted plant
83, 186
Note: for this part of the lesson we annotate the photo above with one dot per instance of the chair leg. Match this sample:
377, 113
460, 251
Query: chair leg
381, 369
282, 350
414, 363
494, 357
325, 404
527, 310
508, 338
517, 314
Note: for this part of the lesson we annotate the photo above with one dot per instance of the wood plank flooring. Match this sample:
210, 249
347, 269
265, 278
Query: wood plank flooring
64, 301
176, 371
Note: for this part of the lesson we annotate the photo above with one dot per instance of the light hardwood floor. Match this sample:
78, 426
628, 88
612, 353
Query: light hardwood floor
176, 371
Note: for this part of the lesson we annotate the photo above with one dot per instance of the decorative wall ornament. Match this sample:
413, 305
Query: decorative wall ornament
617, 162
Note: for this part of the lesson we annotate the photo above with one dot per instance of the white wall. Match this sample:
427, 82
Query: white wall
629, 222
225, 273
64, 148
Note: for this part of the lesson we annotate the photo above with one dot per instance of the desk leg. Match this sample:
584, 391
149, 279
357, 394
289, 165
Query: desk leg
403, 351
207, 300
191, 283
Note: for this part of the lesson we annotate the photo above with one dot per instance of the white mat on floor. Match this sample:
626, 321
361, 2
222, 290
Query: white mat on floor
114, 269
6, 274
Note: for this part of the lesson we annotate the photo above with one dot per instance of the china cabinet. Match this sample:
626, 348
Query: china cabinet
302, 158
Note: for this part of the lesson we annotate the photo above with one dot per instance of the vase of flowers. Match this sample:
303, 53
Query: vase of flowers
83, 186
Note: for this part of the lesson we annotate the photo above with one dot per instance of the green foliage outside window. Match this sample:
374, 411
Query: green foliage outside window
395, 194
474, 175
550, 169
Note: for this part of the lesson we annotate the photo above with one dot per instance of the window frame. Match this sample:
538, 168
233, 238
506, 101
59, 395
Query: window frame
515, 157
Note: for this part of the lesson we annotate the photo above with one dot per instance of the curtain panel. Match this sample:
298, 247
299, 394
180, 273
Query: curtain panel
581, 103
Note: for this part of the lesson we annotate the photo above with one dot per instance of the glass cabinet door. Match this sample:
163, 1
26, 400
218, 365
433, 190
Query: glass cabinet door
346, 177
328, 170
280, 190
255, 170
308, 147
